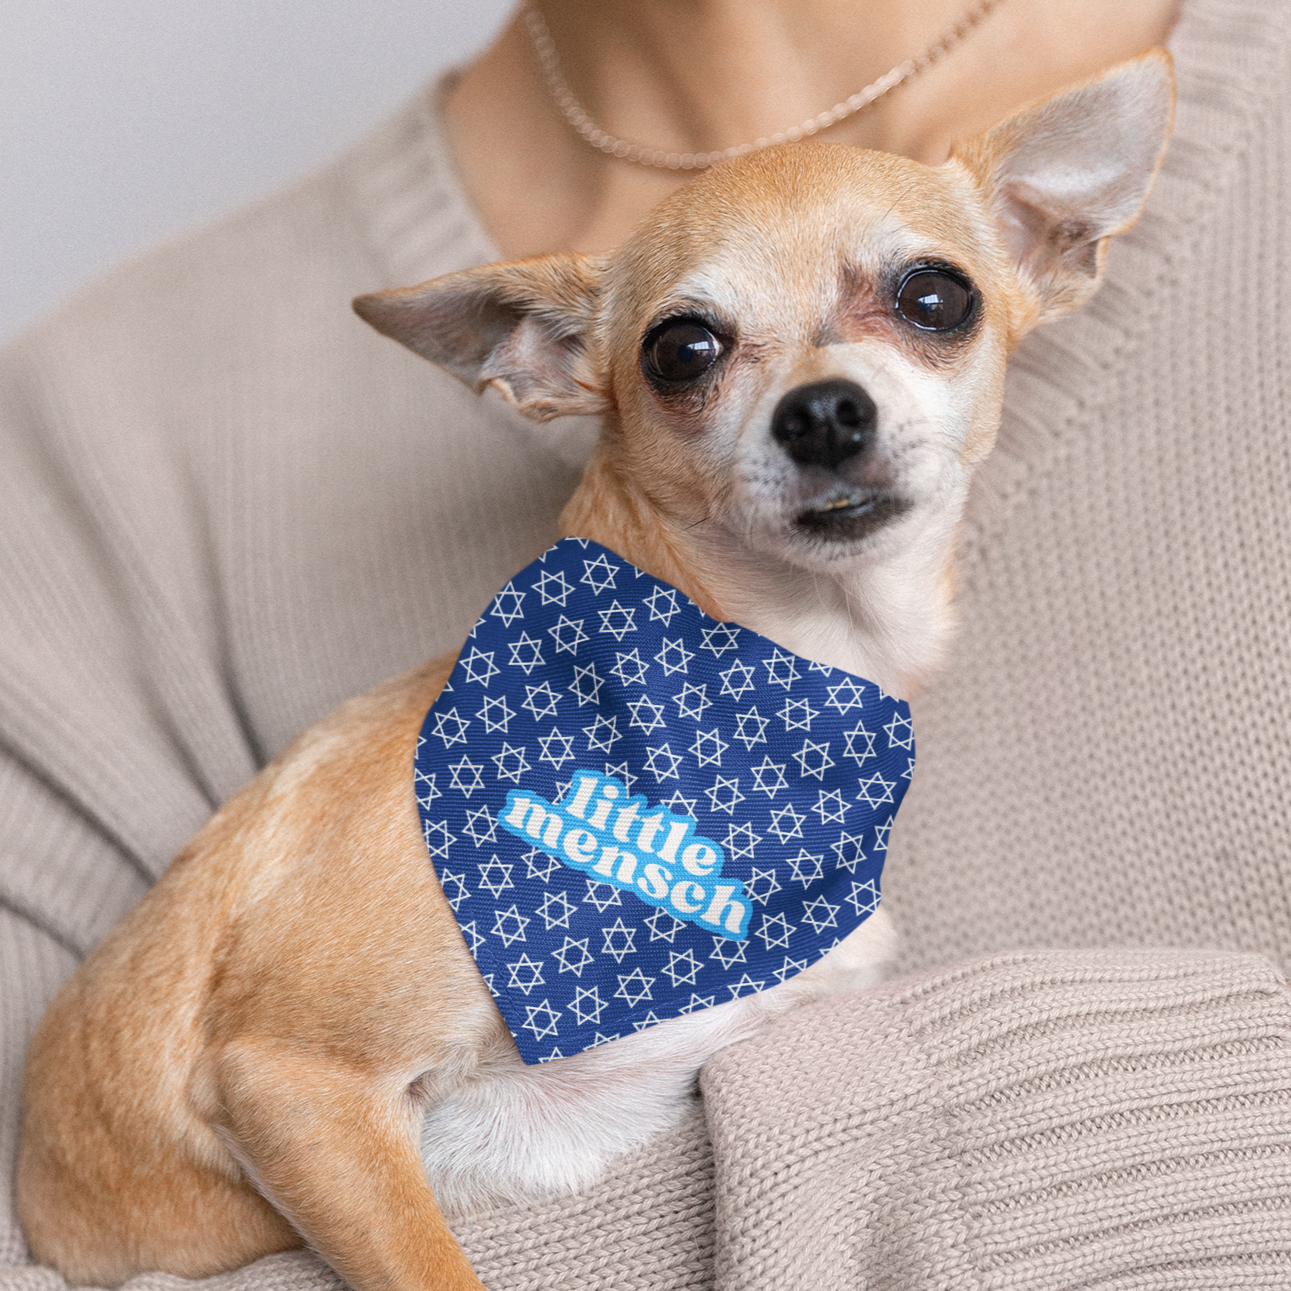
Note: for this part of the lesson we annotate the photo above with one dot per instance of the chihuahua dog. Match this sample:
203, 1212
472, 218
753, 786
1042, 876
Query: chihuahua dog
799, 359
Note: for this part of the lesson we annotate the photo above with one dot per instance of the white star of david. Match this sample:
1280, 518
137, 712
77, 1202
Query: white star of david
541, 700
820, 914
568, 634
510, 925
553, 1055
474, 827
909, 771
495, 714
634, 987
553, 588
438, 839
830, 806
650, 1020
806, 867
619, 940
737, 679
790, 968
526, 653
646, 714
465, 775
864, 897
602, 1039
622, 771
775, 930
681, 805
602, 733
541, 1019
564, 956
662, 763
478, 666
866, 748
629, 667
708, 748
698, 1002
849, 849
875, 790
881, 833
749, 737
555, 909
447, 880
495, 876
673, 656
662, 603
618, 620
451, 728
814, 759
728, 952
900, 732
724, 794
746, 983
526, 973
602, 895
846, 695
780, 669
556, 748
587, 1005
786, 823
586, 685
541, 866
741, 841
797, 714
760, 876
682, 967
424, 787
721, 638
506, 604
762, 777
598, 574
473, 936
691, 700
511, 763
658, 932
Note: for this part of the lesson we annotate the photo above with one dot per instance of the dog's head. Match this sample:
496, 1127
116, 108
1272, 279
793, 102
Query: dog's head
804, 349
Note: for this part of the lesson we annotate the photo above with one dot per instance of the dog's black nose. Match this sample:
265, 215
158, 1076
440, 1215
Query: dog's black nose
824, 423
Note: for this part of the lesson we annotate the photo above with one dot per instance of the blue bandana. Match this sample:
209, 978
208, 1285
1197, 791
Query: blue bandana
636, 811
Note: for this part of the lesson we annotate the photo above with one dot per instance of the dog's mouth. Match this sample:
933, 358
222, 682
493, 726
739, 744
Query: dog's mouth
852, 515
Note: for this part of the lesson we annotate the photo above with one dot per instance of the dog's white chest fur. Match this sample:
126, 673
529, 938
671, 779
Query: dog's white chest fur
511, 1132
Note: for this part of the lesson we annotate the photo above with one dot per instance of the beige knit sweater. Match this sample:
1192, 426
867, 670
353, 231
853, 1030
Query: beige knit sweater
225, 506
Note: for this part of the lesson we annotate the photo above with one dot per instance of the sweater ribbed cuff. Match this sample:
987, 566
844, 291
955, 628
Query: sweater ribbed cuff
1044, 1120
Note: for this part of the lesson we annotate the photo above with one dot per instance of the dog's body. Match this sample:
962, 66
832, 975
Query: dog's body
289, 1037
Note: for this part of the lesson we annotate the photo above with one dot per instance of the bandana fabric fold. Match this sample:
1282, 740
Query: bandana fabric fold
636, 811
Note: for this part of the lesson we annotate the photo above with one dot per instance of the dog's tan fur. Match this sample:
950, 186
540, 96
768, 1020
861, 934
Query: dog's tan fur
282, 1011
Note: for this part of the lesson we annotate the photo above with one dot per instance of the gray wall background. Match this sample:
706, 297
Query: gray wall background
126, 121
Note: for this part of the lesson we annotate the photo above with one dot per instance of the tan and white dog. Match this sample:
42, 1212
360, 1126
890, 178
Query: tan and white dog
799, 358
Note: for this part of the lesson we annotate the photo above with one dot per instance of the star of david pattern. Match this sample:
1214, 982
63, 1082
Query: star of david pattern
584, 668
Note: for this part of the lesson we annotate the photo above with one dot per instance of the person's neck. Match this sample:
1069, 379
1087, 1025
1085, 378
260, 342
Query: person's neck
713, 73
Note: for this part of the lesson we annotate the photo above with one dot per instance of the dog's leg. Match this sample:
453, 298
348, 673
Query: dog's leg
335, 1150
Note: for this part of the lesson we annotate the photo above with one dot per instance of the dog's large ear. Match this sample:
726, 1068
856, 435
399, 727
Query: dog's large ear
1065, 175
526, 328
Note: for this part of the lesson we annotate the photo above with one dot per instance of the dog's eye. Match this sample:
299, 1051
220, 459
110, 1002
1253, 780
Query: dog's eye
935, 301
679, 350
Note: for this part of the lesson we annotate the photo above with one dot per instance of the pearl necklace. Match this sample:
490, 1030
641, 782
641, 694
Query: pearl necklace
577, 117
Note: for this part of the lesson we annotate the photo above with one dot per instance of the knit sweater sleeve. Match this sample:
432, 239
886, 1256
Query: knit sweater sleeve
1052, 1119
